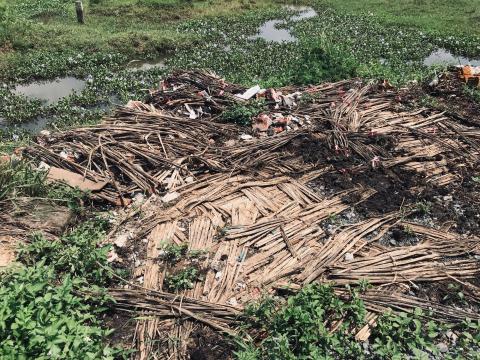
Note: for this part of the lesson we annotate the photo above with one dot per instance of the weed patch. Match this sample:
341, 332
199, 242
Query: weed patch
302, 328
43, 314
242, 114
19, 178
182, 280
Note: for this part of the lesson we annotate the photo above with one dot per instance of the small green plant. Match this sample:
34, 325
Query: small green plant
454, 295
193, 254
182, 280
476, 179
424, 207
407, 229
242, 114
333, 218
173, 252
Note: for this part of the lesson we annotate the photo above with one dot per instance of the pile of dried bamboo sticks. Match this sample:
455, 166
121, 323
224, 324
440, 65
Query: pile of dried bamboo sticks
251, 206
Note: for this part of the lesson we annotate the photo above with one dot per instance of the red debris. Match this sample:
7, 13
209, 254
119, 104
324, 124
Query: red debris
262, 122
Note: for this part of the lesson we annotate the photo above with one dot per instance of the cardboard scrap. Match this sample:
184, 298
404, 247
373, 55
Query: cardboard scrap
74, 180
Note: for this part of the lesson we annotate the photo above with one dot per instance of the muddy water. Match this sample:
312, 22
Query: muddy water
269, 31
305, 12
51, 91
33, 126
140, 65
445, 57
276, 31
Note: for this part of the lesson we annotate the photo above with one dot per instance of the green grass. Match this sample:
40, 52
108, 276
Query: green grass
443, 16
19, 178
132, 26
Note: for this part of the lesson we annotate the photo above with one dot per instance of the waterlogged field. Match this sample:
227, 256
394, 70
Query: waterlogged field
56, 74
246, 42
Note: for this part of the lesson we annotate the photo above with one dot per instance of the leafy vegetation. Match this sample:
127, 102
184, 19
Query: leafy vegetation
301, 328
182, 280
19, 178
242, 114
43, 311
173, 252
330, 46
76, 253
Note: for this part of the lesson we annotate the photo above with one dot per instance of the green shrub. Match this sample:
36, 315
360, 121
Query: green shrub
75, 253
322, 61
300, 329
182, 280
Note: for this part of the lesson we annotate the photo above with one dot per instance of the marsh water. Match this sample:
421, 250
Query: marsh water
140, 65
51, 91
445, 57
32, 126
278, 31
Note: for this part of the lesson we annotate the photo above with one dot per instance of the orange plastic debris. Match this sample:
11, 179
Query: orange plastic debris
470, 74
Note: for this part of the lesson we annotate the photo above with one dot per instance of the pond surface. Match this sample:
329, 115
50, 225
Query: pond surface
304, 12
33, 126
445, 57
270, 32
139, 65
51, 91
276, 30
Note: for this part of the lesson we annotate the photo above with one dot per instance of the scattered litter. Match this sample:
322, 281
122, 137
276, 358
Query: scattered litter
191, 112
171, 196
282, 197
348, 256
121, 240
470, 74
138, 199
232, 302
113, 256
442, 347
246, 137
249, 93
43, 166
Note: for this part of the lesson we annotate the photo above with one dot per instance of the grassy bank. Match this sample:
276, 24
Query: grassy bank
444, 16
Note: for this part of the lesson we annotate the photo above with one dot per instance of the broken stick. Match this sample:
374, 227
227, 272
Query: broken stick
287, 242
